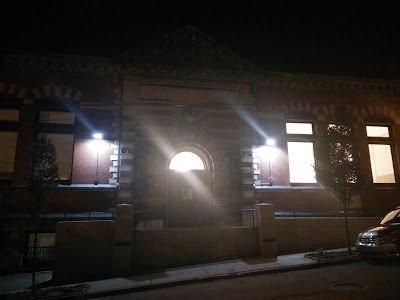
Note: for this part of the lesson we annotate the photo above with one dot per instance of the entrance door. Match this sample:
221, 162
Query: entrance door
189, 202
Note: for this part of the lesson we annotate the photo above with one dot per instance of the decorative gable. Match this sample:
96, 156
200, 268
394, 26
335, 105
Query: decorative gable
187, 49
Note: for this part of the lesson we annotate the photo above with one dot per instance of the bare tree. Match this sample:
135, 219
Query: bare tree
337, 165
42, 180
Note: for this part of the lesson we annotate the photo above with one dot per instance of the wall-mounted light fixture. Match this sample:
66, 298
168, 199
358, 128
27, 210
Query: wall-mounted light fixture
98, 136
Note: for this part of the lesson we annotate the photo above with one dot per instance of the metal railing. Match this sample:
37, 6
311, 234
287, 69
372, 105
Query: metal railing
217, 216
78, 216
44, 256
326, 214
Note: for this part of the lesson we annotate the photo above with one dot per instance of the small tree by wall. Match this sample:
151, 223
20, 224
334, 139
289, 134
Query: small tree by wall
337, 163
42, 177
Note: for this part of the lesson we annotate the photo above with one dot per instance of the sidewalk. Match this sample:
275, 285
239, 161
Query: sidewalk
11, 285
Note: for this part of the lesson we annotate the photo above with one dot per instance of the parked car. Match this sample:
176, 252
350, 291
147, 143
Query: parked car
382, 240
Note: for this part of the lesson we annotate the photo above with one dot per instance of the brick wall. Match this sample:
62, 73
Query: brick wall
84, 163
84, 249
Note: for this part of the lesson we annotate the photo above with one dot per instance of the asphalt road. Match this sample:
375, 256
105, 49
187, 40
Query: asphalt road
357, 280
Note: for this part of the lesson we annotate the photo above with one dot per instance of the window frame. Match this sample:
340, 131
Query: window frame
302, 138
373, 140
60, 129
10, 178
11, 125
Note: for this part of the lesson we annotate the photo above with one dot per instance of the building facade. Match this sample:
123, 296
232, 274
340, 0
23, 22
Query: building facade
183, 102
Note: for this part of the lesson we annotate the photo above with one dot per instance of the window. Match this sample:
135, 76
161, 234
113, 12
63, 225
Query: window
9, 118
58, 126
64, 149
380, 154
7, 153
9, 114
57, 117
185, 161
301, 152
299, 128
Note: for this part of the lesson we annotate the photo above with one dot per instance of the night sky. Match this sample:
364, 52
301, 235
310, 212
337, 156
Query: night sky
352, 38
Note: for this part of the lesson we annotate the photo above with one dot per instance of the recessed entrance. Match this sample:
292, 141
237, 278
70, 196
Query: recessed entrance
189, 202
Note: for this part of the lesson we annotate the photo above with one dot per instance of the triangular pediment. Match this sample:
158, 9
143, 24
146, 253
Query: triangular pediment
189, 49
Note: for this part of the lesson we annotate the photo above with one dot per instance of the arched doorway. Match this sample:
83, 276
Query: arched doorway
189, 196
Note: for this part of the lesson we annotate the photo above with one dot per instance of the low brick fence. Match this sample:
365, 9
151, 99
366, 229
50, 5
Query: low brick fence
309, 234
97, 249
173, 247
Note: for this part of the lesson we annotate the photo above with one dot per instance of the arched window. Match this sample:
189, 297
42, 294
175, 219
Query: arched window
185, 161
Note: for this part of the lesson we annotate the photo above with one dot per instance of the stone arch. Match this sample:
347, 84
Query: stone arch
14, 90
56, 90
325, 111
376, 110
318, 111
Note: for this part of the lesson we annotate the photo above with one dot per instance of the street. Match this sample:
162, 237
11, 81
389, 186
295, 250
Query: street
358, 280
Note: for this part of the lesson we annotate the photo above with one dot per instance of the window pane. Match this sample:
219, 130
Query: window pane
377, 131
7, 153
299, 128
301, 162
185, 161
64, 146
381, 163
57, 117
9, 114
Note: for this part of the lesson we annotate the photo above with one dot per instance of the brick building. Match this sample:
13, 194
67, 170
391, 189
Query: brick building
181, 99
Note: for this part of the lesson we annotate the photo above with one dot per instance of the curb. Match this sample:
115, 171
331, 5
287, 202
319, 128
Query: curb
305, 266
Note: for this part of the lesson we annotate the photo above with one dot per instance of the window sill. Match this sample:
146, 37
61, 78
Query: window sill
289, 187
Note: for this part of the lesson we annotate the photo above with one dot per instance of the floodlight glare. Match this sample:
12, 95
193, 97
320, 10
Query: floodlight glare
271, 142
98, 136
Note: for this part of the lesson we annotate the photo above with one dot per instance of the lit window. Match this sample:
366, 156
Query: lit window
380, 154
299, 128
301, 162
300, 153
185, 161
7, 153
64, 149
377, 131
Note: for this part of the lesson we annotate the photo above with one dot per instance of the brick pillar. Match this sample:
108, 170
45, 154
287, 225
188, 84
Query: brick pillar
122, 254
266, 226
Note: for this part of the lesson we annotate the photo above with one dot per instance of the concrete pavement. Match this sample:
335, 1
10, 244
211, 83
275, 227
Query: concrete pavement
13, 285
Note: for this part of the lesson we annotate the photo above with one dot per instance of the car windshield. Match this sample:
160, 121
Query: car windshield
392, 217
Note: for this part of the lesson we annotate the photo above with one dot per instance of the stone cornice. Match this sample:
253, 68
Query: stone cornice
108, 66
57, 62
325, 82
